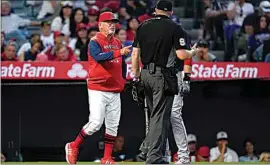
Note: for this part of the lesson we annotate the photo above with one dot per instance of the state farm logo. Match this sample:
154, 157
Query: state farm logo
29, 70
77, 70
225, 71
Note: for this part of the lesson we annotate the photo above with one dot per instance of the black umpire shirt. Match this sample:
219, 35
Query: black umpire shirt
157, 38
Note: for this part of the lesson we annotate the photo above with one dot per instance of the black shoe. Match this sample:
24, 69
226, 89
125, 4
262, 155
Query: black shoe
142, 156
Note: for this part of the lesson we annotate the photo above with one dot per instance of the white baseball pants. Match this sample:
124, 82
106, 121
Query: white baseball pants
103, 105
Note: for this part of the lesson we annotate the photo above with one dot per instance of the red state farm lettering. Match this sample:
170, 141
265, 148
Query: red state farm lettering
226, 71
27, 70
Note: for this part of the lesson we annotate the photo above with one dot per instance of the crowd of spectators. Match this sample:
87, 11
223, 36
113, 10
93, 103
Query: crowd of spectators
65, 37
238, 27
198, 153
241, 26
222, 152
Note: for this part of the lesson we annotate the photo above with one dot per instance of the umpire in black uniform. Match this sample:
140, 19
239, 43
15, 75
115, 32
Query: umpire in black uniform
155, 39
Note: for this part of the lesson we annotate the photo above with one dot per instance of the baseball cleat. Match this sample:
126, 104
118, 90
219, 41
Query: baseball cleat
107, 161
142, 156
183, 161
71, 154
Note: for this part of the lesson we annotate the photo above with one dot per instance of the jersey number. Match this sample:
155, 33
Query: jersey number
182, 42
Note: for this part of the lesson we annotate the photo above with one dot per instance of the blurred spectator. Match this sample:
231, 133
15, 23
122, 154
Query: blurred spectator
48, 8
119, 152
203, 154
131, 28
63, 53
246, 30
105, 9
77, 17
3, 158
261, 34
264, 8
62, 22
30, 55
2, 42
113, 5
238, 10
204, 55
215, 14
265, 157
146, 16
78, 43
129, 8
58, 42
9, 53
11, 22
92, 32
46, 34
80, 4
42, 57
192, 147
249, 152
222, 153
93, 13
95, 3
84, 48
27, 46
122, 36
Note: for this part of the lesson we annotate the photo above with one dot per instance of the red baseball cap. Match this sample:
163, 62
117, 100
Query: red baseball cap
57, 34
204, 151
81, 26
107, 16
93, 11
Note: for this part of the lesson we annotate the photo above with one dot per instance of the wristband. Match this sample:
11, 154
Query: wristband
191, 53
187, 77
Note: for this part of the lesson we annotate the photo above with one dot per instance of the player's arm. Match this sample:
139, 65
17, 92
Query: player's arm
181, 46
135, 56
135, 61
187, 69
99, 56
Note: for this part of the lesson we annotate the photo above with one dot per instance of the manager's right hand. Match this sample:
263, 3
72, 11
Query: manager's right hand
125, 50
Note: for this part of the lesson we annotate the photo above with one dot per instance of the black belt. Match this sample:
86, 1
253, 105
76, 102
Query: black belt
159, 68
147, 67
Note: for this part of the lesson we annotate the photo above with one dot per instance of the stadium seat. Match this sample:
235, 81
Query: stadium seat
187, 23
219, 54
179, 12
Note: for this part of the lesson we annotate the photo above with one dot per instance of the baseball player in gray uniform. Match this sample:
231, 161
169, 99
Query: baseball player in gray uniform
178, 127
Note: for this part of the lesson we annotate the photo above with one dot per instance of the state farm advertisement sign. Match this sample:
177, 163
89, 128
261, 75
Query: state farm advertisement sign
228, 71
40, 70
78, 70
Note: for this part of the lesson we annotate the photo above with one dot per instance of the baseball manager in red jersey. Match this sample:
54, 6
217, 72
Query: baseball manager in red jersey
105, 82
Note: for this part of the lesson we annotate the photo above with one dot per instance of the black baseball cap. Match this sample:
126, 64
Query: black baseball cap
44, 23
203, 43
164, 5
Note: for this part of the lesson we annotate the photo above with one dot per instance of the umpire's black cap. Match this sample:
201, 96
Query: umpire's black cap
164, 5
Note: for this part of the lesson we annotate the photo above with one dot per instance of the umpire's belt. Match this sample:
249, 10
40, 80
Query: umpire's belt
158, 68
147, 67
